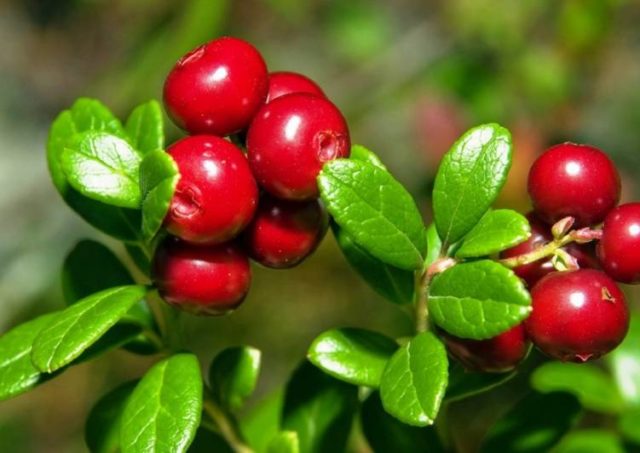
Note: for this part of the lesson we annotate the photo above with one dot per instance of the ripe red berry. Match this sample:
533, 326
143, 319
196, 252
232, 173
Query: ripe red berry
573, 180
281, 83
495, 355
216, 194
216, 88
203, 280
283, 233
578, 315
290, 139
619, 248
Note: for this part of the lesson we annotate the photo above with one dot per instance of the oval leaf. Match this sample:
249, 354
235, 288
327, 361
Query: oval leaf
478, 300
158, 179
625, 363
375, 211
415, 379
262, 423
284, 442
359, 152
463, 383
79, 326
590, 441
496, 231
469, 179
356, 356
144, 127
628, 425
163, 412
233, 375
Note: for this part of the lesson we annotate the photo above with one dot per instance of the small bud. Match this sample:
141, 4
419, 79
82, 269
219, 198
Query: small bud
562, 227
564, 261
440, 265
584, 235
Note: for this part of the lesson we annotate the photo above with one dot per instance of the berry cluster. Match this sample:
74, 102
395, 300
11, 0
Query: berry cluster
578, 313
229, 206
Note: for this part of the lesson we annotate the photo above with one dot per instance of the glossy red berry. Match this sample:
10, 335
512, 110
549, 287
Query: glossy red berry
573, 180
283, 233
204, 280
578, 315
619, 248
283, 82
494, 355
290, 139
216, 194
216, 88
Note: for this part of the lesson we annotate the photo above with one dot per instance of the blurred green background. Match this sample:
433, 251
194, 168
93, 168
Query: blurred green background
409, 75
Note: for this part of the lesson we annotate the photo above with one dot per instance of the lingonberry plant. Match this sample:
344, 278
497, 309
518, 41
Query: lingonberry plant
268, 161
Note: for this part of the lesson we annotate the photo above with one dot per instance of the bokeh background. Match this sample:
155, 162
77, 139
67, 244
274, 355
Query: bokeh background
409, 75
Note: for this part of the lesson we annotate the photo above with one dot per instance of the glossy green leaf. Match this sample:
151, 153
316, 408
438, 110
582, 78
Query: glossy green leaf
628, 425
534, 425
284, 442
387, 434
319, 409
145, 127
356, 356
625, 363
593, 387
263, 421
233, 375
414, 382
392, 283
17, 373
163, 412
478, 300
76, 328
158, 179
496, 231
359, 152
590, 441
469, 179
434, 245
375, 211
102, 429
463, 383
103, 167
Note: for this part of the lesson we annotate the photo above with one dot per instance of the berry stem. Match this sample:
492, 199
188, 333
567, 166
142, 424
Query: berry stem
225, 425
168, 320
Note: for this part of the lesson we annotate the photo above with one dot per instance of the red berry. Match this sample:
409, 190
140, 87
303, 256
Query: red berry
216, 194
203, 280
216, 88
574, 180
281, 83
619, 248
283, 233
290, 139
495, 355
578, 315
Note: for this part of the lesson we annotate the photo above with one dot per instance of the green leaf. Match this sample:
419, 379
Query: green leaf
463, 383
158, 179
356, 356
284, 442
387, 434
79, 326
103, 167
628, 425
535, 424
469, 179
359, 152
478, 300
625, 363
496, 231
434, 245
375, 211
145, 127
263, 422
415, 380
102, 429
233, 375
17, 373
163, 412
590, 441
319, 409
396, 285
593, 387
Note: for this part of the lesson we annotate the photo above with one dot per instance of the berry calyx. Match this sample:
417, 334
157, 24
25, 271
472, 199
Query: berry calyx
619, 248
290, 139
216, 88
216, 194
285, 82
499, 354
203, 280
573, 180
577, 316
283, 233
